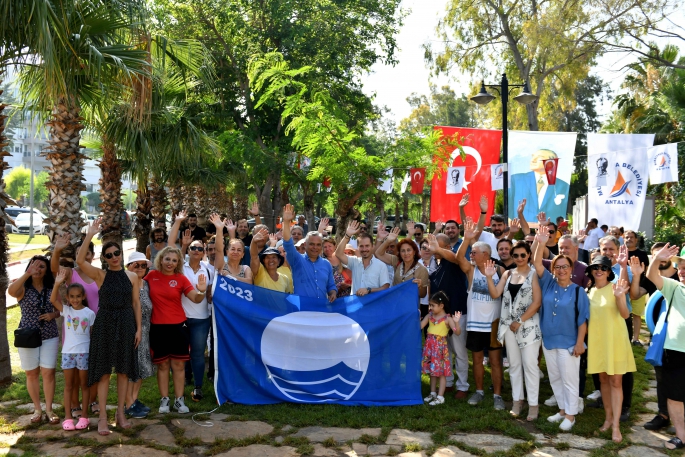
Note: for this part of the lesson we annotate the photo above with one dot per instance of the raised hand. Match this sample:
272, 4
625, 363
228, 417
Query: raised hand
621, 288
94, 227
666, 253
636, 266
469, 229
62, 241
323, 224
187, 238
464, 200
457, 316
433, 243
622, 258
381, 232
218, 223
410, 228
230, 226
261, 236
273, 240
438, 225
542, 219
490, 268
514, 226
61, 276
352, 228
581, 235
202, 283
288, 213
34, 267
394, 233
542, 236
521, 207
483, 203
181, 216
254, 210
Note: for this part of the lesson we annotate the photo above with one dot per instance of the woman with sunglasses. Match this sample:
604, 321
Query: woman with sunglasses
139, 264
117, 330
33, 290
519, 325
77, 276
563, 322
610, 354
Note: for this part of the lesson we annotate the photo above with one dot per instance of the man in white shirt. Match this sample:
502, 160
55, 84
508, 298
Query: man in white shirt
368, 273
593, 235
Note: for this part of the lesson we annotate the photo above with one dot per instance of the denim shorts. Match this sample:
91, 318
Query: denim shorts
78, 361
44, 356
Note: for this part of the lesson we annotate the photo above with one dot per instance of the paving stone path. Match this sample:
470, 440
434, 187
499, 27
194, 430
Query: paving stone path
183, 437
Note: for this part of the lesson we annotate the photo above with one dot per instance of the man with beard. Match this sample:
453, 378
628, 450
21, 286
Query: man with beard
630, 239
666, 270
369, 274
497, 226
504, 251
158, 241
197, 232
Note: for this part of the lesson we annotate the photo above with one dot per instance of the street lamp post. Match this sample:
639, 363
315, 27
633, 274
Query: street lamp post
525, 98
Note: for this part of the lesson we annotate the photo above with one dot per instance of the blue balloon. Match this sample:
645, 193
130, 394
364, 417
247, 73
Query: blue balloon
649, 309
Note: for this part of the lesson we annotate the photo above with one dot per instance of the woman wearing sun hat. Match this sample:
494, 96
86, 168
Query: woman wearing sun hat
139, 264
265, 265
609, 351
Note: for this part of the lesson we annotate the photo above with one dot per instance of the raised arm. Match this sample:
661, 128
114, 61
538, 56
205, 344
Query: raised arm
380, 249
186, 239
352, 229
483, 203
514, 228
622, 260
197, 294
539, 248
254, 211
173, 234
495, 290
258, 241
61, 242
637, 269
522, 219
469, 234
462, 207
621, 288
664, 255
288, 215
16, 287
323, 226
96, 273
219, 241
438, 227
55, 297
435, 248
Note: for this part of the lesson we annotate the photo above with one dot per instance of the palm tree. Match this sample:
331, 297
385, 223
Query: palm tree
89, 65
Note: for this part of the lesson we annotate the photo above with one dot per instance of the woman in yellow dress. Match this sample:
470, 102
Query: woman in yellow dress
609, 350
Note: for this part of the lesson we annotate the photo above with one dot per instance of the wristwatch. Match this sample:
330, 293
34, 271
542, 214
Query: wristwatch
368, 290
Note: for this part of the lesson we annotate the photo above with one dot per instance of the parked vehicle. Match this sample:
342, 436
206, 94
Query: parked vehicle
389, 223
15, 211
23, 223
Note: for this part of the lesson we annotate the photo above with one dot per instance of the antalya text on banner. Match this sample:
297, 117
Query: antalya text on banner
527, 174
620, 201
272, 347
482, 148
663, 163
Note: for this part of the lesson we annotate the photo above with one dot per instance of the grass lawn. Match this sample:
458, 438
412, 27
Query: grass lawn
442, 421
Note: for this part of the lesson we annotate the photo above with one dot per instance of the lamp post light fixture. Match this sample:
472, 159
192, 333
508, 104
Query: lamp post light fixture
525, 98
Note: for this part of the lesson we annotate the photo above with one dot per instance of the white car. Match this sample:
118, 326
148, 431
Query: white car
22, 221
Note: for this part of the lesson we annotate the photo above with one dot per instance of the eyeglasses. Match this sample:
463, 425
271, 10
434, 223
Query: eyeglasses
109, 255
523, 256
139, 265
425, 248
562, 267
363, 227
600, 267
196, 248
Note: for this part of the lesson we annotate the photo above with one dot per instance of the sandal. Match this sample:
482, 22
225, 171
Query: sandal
532, 413
37, 416
93, 406
104, 431
74, 411
676, 442
68, 425
53, 418
124, 425
82, 424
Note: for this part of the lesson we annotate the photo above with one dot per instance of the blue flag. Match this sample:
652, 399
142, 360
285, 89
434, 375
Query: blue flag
272, 347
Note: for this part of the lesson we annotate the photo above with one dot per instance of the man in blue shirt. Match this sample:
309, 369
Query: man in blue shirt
312, 274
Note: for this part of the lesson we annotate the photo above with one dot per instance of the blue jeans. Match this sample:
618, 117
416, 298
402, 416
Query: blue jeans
198, 330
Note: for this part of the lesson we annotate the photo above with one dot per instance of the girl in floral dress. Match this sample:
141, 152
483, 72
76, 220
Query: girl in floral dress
436, 359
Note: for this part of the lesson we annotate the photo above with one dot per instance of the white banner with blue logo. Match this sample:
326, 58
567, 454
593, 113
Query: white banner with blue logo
272, 347
619, 199
663, 163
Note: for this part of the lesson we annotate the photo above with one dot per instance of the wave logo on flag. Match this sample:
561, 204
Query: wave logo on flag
336, 374
497, 176
663, 163
627, 177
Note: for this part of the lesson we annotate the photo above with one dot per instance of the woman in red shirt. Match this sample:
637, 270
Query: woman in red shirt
169, 338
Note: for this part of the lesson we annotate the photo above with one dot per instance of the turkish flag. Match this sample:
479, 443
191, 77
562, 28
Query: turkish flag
551, 170
482, 148
417, 177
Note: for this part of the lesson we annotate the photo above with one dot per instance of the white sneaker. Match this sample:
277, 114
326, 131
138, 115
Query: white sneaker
180, 406
556, 418
439, 400
566, 425
541, 374
551, 401
596, 395
486, 360
431, 397
164, 405
505, 362
581, 405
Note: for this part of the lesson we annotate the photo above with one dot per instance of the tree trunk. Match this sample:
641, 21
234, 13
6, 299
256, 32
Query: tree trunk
230, 208
405, 211
5, 361
158, 199
265, 202
308, 207
380, 206
241, 206
177, 201
110, 194
66, 174
143, 218
277, 208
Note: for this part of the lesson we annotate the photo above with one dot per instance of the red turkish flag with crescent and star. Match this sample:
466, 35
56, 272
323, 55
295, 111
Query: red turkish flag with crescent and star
551, 170
417, 178
482, 148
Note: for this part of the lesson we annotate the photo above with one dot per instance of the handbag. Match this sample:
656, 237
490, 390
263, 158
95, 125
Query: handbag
30, 337
655, 352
